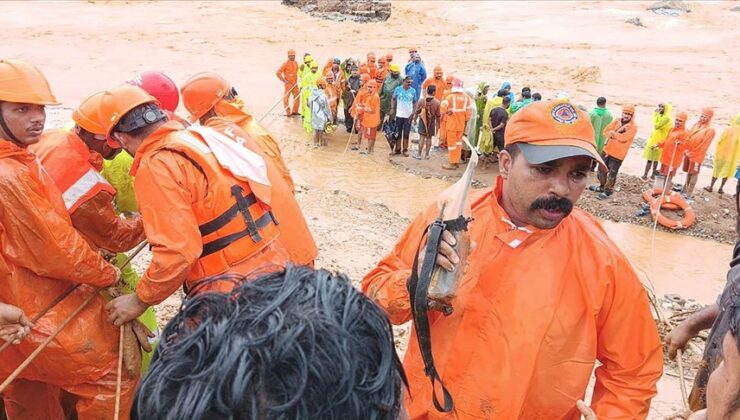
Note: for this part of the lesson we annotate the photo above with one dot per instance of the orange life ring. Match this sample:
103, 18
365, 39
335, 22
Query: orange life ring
689, 215
652, 194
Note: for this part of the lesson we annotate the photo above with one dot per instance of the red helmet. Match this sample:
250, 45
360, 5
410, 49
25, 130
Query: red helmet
160, 86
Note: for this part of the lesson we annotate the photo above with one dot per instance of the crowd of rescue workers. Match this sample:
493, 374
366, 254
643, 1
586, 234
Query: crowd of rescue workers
514, 293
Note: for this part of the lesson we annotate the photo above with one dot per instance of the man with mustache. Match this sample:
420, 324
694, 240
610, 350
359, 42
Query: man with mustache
544, 293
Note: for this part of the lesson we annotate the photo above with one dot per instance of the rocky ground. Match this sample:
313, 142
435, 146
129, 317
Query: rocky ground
715, 213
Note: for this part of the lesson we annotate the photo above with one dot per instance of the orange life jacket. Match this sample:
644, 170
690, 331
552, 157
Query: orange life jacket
234, 224
68, 161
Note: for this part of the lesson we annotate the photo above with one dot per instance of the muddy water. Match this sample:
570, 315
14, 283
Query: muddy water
691, 267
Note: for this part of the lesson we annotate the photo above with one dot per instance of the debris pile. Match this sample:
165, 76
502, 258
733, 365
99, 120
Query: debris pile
341, 10
670, 7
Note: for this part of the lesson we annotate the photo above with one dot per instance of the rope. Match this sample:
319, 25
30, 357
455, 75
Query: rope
119, 374
71, 289
48, 340
278, 102
659, 311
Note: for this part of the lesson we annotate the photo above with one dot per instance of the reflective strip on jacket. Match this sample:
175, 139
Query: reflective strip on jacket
86, 193
534, 311
67, 160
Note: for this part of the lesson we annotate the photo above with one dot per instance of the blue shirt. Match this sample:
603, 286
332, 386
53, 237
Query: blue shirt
405, 100
418, 75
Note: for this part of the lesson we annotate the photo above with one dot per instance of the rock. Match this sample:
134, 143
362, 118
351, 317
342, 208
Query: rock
341, 10
675, 6
635, 21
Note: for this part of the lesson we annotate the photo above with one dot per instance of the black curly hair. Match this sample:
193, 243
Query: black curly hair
293, 344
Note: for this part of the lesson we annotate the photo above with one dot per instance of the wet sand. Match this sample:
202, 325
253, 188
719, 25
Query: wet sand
357, 206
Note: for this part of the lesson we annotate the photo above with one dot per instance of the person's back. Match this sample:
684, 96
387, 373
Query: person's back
298, 344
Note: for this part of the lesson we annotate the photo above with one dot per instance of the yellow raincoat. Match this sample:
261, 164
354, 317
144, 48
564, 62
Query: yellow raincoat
485, 141
727, 153
662, 124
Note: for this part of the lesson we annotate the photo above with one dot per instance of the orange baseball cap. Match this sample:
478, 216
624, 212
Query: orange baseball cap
629, 109
552, 130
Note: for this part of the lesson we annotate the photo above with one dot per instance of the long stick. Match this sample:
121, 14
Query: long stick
48, 340
683, 380
120, 369
71, 289
278, 102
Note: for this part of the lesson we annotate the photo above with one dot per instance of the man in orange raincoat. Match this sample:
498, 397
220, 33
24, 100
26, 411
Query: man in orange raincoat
443, 110
458, 108
205, 206
544, 293
674, 148
205, 96
288, 74
370, 104
619, 136
437, 80
369, 67
41, 257
698, 140
74, 159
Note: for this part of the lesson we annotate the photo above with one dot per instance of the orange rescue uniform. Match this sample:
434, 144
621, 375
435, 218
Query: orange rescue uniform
267, 143
699, 138
371, 118
534, 311
618, 144
288, 74
87, 196
41, 256
673, 147
295, 235
459, 112
439, 83
199, 219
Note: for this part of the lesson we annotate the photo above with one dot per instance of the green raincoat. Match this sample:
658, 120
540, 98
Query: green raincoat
480, 106
485, 140
600, 118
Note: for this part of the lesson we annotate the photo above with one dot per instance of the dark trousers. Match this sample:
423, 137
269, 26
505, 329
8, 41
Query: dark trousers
349, 122
608, 178
498, 141
404, 130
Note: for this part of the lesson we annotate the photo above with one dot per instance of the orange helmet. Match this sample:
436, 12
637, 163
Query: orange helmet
382, 60
160, 86
389, 57
364, 77
21, 82
437, 70
321, 83
370, 57
117, 102
291, 52
372, 84
88, 116
449, 79
201, 92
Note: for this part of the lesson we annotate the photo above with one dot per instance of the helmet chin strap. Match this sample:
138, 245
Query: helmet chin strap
7, 130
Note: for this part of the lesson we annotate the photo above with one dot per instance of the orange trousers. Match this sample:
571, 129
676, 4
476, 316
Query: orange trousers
31, 400
295, 93
454, 146
443, 132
